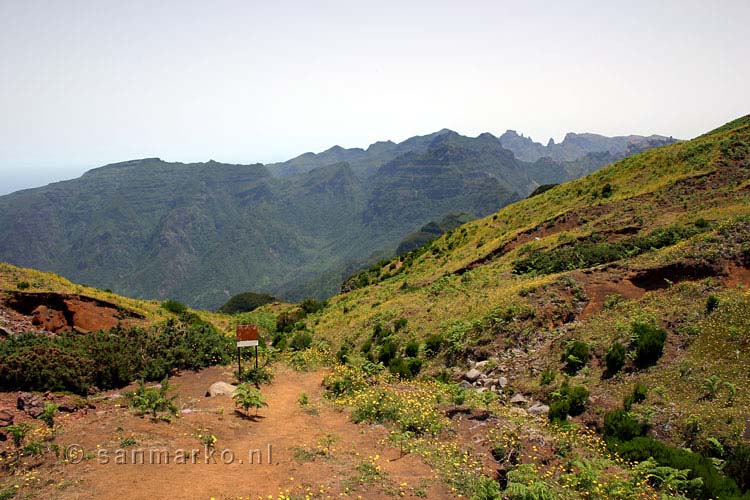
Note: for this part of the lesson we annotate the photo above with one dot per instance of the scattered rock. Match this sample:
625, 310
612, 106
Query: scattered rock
481, 364
6, 417
472, 375
220, 388
465, 385
502, 381
538, 409
32, 404
519, 399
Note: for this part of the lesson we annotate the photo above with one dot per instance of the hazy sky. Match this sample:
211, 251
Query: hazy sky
84, 83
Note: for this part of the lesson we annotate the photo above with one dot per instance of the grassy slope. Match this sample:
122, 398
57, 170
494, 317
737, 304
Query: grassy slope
707, 177
11, 276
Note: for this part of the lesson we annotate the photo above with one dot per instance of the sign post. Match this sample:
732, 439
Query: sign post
247, 336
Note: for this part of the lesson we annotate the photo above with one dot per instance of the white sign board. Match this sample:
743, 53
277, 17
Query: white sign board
247, 343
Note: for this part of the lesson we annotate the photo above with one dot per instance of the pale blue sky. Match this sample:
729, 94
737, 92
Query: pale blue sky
84, 83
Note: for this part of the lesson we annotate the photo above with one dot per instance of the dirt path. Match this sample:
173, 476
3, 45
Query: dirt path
297, 439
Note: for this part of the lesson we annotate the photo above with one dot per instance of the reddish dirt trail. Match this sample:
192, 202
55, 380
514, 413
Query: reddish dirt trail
283, 425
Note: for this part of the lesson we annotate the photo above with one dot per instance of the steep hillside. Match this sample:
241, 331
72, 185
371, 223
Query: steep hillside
635, 276
32, 300
203, 232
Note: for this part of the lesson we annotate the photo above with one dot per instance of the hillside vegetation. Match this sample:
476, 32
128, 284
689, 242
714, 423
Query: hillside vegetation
620, 300
203, 232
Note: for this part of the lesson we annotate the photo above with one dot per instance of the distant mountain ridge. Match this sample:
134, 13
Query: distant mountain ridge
202, 232
575, 146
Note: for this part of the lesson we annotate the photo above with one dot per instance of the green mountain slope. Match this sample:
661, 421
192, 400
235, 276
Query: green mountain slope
203, 232
539, 293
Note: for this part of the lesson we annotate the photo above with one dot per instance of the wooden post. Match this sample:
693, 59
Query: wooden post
239, 366
256, 358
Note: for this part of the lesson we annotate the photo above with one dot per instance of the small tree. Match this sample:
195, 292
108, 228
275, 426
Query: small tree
48, 414
18, 433
153, 400
247, 396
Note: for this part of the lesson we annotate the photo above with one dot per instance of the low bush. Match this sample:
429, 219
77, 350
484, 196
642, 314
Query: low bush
712, 302
387, 352
591, 251
412, 349
568, 401
715, 485
400, 324
311, 306
640, 391
108, 359
576, 356
432, 345
301, 341
405, 367
615, 358
738, 466
649, 344
174, 306
622, 426
257, 376
246, 302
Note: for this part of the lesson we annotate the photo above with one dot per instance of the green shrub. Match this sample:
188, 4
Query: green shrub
22, 285
559, 410
714, 485
246, 302
568, 401
622, 426
640, 391
615, 358
591, 251
286, 321
548, 376
174, 306
576, 356
738, 466
342, 355
405, 367
257, 376
711, 303
432, 345
311, 306
400, 324
108, 359
387, 352
649, 344
412, 349
301, 341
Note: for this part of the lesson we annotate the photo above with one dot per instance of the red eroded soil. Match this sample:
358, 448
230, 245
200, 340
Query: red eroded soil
55, 312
